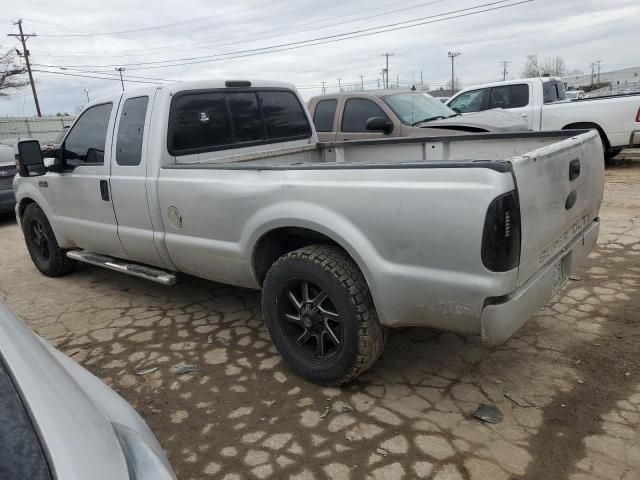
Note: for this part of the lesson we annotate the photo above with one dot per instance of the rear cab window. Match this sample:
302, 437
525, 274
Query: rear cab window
356, 113
509, 96
324, 115
553, 91
206, 121
471, 101
21, 455
131, 131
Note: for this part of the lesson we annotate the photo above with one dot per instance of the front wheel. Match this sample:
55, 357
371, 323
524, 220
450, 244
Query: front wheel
43, 247
320, 315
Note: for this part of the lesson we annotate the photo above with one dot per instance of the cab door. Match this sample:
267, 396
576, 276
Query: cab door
79, 193
129, 170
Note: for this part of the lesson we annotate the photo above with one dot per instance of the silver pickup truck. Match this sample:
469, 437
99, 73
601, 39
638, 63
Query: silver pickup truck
226, 181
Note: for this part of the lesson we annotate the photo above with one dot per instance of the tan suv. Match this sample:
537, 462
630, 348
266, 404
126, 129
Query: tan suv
400, 113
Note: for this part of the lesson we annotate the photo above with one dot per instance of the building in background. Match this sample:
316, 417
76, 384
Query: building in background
614, 81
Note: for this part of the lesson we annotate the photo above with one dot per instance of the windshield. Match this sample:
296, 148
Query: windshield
416, 107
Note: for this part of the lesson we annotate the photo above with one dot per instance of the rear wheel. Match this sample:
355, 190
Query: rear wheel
43, 248
320, 315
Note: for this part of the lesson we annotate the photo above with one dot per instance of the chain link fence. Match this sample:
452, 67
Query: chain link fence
43, 129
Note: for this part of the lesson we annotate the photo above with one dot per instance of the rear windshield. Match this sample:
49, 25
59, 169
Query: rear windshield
218, 120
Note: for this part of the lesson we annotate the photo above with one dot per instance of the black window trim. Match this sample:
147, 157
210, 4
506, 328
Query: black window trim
144, 128
344, 109
63, 145
234, 145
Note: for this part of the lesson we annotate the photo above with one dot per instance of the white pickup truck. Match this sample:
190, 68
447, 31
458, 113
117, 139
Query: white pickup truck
542, 102
226, 181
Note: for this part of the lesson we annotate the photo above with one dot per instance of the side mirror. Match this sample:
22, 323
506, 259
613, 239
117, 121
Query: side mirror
29, 159
379, 124
456, 109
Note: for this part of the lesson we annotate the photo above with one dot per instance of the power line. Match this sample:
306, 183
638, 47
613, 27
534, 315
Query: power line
267, 4
454, 14
94, 76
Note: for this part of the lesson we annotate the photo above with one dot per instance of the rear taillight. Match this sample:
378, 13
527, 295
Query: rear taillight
638, 116
501, 236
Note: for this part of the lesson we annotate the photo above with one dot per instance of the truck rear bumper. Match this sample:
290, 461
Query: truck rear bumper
500, 321
7, 201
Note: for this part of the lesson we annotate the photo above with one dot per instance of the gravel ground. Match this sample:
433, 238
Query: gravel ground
572, 374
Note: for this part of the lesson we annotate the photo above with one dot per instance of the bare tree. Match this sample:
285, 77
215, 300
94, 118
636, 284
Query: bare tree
11, 73
455, 87
535, 67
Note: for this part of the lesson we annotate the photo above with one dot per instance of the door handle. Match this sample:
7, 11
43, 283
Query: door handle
104, 190
524, 115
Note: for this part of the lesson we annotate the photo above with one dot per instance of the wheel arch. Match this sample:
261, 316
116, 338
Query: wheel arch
589, 125
281, 240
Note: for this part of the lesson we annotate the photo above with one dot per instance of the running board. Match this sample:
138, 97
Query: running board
134, 269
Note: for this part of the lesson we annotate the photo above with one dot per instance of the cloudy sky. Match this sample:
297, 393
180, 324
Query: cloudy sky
303, 41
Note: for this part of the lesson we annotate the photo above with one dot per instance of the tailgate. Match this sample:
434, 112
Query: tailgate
560, 189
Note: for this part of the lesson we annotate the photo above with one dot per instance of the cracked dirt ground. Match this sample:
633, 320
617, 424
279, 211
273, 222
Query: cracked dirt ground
242, 415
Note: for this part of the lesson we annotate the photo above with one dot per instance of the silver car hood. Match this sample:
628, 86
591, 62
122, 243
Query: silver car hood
497, 120
73, 411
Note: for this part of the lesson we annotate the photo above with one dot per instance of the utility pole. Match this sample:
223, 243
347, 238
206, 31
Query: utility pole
452, 56
86, 91
592, 65
598, 64
25, 54
340, 84
421, 82
120, 70
387, 55
323, 89
504, 69
362, 82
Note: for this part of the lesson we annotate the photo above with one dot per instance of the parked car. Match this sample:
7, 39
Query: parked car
574, 94
399, 113
7, 172
60, 422
541, 101
227, 181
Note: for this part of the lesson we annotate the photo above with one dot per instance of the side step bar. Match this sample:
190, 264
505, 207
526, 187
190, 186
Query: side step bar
134, 269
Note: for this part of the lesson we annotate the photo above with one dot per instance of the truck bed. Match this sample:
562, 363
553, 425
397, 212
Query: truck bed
488, 149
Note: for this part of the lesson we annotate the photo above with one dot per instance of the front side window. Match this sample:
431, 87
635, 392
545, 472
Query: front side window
470, 101
86, 141
201, 122
324, 114
356, 113
131, 131
21, 455
509, 96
